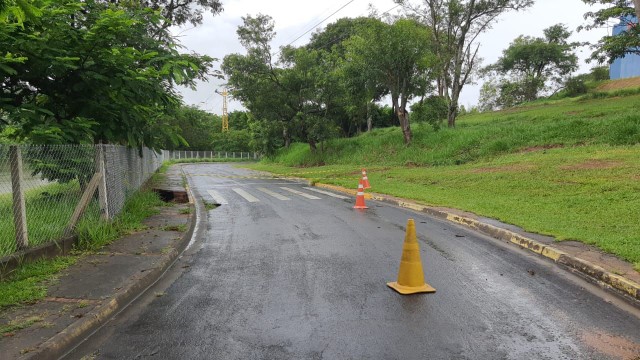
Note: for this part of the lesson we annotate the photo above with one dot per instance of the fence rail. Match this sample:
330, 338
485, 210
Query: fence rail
202, 154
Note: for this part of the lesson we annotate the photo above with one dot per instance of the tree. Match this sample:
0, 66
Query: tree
529, 64
395, 56
174, 12
612, 47
360, 91
90, 72
432, 110
296, 93
456, 25
256, 79
196, 126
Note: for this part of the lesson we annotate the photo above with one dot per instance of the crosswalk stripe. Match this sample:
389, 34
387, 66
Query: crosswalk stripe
245, 195
308, 196
326, 193
217, 197
274, 194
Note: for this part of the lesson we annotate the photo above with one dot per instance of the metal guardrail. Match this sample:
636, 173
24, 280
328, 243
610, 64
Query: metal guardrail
202, 154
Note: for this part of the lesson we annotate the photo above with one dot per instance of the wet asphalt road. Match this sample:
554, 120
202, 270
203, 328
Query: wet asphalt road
271, 278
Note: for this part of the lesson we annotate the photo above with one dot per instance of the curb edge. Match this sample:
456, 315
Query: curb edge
592, 272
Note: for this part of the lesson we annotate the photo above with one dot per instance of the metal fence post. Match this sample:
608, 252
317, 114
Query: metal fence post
102, 187
19, 206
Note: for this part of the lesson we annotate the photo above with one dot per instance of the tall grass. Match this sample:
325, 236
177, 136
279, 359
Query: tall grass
565, 123
94, 233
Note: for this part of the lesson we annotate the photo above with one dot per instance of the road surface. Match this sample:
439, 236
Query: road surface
280, 271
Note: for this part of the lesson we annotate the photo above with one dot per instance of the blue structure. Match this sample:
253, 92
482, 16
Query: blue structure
629, 65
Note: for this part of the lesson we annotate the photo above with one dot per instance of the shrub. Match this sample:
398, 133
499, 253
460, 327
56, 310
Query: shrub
576, 85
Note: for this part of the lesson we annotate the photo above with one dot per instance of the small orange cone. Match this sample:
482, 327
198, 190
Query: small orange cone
360, 197
411, 275
365, 179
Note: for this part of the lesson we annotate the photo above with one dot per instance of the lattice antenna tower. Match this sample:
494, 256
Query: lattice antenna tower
225, 113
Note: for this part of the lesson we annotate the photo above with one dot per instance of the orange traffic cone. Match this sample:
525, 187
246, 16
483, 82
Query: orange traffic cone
365, 179
360, 197
411, 276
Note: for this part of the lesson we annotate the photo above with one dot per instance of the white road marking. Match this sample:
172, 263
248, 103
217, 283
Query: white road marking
274, 194
247, 184
300, 193
245, 195
217, 197
326, 193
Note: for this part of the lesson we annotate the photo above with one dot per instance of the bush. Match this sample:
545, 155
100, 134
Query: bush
432, 110
576, 85
600, 73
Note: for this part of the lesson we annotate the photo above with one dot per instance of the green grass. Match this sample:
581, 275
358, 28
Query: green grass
567, 168
20, 324
210, 206
49, 209
28, 283
94, 233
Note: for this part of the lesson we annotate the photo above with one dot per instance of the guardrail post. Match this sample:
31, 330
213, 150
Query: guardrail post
19, 206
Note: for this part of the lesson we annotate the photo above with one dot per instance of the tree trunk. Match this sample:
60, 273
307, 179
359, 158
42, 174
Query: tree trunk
403, 117
637, 4
312, 145
369, 119
286, 137
451, 117
452, 114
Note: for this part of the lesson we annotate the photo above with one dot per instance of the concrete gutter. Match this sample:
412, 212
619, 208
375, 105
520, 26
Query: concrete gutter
593, 273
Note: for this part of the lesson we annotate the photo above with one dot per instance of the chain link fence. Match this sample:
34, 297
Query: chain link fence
46, 189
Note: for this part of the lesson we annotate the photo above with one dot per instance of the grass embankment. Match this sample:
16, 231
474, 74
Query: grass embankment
567, 168
29, 282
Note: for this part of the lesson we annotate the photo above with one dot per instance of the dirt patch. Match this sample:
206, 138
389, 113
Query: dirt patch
611, 345
541, 148
574, 112
411, 164
620, 84
377, 170
505, 168
594, 165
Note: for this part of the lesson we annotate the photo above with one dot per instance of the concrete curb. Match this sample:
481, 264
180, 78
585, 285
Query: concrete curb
64, 341
586, 269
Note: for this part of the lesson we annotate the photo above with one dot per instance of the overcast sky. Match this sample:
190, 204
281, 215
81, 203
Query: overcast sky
217, 37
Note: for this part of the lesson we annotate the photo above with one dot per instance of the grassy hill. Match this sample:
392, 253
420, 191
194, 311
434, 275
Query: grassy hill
568, 168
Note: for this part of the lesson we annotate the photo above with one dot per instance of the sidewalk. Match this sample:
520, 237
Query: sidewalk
88, 293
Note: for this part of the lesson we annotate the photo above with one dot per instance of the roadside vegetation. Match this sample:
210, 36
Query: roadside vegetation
29, 282
567, 168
